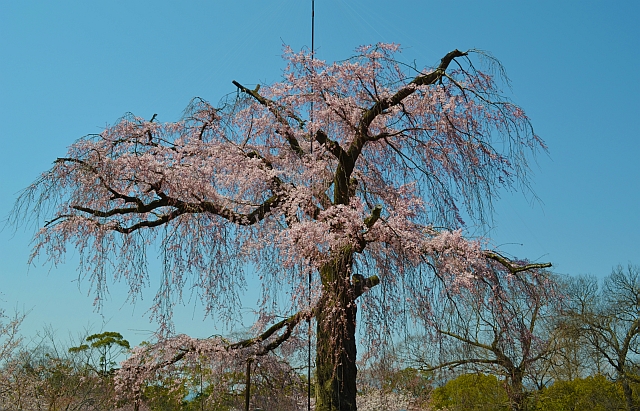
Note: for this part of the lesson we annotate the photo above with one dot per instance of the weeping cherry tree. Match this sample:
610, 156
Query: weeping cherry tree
339, 178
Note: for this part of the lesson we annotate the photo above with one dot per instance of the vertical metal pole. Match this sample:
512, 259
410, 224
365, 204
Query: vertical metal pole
313, 15
313, 18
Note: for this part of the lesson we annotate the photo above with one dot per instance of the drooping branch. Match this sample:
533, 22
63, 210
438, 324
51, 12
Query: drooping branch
140, 209
347, 160
422, 80
280, 118
164, 218
288, 324
182, 207
360, 284
382, 105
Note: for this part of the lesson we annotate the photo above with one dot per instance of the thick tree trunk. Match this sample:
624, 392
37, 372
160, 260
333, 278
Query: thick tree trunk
515, 391
628, 395
336, 344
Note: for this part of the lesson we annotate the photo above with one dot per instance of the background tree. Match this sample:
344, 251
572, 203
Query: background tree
46, 377
608, 319
385, 381
572, 357
479, 392
593, 393
569, 359
338, 171
108, 345
509, 340
10, 337
10, 340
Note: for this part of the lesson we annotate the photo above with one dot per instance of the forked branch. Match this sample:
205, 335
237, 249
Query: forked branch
288, 324
382, 105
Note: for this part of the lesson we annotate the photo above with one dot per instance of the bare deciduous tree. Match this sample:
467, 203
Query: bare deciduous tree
510, 340
608, 319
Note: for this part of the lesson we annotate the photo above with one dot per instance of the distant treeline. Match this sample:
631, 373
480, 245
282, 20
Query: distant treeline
572, 348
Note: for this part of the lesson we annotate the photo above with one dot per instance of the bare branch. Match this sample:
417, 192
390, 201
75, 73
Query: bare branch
514, 268
458, 363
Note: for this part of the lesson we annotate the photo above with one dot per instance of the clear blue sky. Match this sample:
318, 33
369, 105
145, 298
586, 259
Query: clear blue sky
68, 68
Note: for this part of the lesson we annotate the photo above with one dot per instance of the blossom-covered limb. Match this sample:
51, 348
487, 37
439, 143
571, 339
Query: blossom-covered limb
369, 221
288, 323
422, 80
92, 170
332, 146
179, 208
384, 104
271, 105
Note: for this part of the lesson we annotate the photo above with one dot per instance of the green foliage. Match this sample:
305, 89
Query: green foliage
107, 339
594, 393
108, 345
471, 392
159, 397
